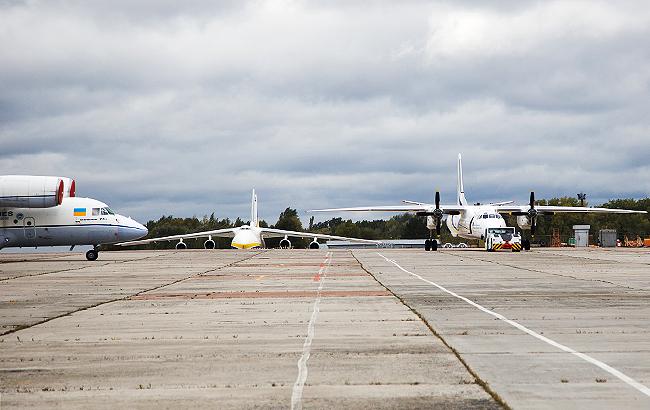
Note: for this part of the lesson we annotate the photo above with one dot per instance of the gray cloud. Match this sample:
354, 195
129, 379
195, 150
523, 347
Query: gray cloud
182, 108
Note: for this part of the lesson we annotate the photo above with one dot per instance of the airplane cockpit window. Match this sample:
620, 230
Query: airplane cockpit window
95, 211
492, 216
485, 216
107, 211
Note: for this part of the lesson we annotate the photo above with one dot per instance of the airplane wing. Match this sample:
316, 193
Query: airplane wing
416, 207
550, 209
280, 233
224, 233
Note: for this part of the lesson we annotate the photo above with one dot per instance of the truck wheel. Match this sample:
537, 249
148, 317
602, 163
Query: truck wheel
434, 245
427, 245
526, 244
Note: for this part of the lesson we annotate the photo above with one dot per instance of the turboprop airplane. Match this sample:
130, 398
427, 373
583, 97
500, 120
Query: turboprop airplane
473, 221
45, 211
247, 236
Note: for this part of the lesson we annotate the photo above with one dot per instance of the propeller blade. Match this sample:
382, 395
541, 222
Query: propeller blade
532, 199
437, 199
533, 225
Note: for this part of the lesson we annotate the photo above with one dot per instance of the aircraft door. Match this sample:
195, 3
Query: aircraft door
29, 224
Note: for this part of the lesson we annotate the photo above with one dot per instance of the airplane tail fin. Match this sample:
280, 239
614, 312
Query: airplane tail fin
254, 219
460, 190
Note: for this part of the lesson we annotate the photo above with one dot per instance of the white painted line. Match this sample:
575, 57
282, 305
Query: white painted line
296, 395
640, 387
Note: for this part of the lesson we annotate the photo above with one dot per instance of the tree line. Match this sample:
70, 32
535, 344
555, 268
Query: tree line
407, 226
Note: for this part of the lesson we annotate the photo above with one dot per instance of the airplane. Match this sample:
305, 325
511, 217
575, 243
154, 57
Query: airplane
45, 211
247, 236
473, 221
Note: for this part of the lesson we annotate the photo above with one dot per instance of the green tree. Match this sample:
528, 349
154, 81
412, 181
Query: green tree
289, 221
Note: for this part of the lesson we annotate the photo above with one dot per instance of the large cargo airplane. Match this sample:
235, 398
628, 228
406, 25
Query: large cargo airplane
473, 221
247, 236
45, 211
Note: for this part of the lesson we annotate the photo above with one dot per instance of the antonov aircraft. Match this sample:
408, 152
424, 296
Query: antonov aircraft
44, 211
473, 221
247, 236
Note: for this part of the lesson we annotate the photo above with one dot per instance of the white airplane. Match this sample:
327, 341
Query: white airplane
45, 211
472, 221
247, 236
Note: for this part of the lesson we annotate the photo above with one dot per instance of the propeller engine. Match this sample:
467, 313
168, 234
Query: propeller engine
434, 216
532, 213
181, 245
437, 213
523, 222
528, 219
314, 244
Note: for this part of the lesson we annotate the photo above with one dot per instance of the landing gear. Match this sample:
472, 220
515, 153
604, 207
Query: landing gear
92, 254
431, 245
526, 244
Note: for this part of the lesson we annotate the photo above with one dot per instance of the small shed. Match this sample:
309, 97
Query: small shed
581, 235
607, 238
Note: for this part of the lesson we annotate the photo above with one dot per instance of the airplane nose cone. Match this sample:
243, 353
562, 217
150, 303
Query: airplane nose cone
132, 231
141, 230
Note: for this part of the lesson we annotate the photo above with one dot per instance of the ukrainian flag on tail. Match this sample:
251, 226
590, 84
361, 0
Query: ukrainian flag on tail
80, 212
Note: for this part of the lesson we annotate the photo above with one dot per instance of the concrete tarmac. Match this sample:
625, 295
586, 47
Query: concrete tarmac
313, 329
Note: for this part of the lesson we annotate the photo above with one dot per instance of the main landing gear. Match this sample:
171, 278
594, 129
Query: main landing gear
431, 245
525, 243
92, 254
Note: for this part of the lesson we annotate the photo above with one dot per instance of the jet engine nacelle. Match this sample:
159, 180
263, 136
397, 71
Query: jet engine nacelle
181, 245
285, 244
523, 222
314, 244
209, 244
29, 191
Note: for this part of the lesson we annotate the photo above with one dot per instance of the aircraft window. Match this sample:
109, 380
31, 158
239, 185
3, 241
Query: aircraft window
492, 216
95, 211
485, 216
107, 211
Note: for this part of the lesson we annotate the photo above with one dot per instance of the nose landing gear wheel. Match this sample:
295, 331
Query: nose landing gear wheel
427, 245
92, 255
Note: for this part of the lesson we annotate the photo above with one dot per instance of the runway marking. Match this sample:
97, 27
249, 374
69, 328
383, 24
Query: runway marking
616, 373
287, 294
296, 395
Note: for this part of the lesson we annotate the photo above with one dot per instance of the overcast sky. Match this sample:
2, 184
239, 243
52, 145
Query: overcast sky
168, 107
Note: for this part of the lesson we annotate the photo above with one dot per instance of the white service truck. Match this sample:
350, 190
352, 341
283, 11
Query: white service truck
502, 238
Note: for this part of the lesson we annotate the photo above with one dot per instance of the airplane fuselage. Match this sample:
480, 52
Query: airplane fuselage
77, 221
247, 237
472, 223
